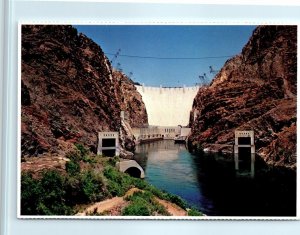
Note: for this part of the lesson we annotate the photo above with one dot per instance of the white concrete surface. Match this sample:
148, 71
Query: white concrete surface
185, 131
168, 106
156, 132
126, 164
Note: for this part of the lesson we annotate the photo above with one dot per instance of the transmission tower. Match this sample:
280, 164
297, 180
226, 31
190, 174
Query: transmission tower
119, 67
130, 75
203, 78
212, 70
115, 56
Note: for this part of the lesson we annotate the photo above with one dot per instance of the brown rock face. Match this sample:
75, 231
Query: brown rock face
130, 100
256, 90
69, 92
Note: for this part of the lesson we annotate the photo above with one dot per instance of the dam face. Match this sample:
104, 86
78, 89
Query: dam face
168, 106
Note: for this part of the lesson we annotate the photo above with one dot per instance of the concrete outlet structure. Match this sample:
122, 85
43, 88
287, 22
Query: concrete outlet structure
244, 147
108, 144
131, 167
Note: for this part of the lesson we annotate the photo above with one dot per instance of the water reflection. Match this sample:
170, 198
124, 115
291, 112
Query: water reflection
219, 184
242, 165
171, 167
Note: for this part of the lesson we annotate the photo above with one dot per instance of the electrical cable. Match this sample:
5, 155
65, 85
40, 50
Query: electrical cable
172, 58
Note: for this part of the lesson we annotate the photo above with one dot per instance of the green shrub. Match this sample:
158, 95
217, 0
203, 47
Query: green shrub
112, 161
118, 183
74, 156
138, 208
160, 209
194, 212
74, 190
147, 196
156, 191
72, 167
141, 200
140, 205
167, 196
112, 174
115, 189
139, 183
177, 200
92, 186
79, 154
89, 159
52, 200
45, 196
30, 194
84, 188
83, 151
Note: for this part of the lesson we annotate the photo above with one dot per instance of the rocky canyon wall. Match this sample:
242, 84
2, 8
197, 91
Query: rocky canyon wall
69, 92
254, 90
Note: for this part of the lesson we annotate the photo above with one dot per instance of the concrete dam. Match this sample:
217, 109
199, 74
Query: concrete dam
168, 106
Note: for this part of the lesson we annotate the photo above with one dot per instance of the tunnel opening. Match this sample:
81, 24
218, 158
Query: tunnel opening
109, 142
134, 172
244, 140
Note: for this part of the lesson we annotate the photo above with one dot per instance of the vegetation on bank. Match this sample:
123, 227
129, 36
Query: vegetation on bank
144, 203
89, 179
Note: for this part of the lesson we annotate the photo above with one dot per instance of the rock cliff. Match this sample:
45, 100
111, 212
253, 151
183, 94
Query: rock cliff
130, 100
69, 92
254, 90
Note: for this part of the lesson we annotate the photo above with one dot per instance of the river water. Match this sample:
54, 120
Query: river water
210, 182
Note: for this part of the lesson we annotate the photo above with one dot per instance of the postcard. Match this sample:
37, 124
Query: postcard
122, 121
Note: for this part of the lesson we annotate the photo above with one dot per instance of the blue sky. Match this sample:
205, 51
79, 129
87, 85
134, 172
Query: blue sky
169, 42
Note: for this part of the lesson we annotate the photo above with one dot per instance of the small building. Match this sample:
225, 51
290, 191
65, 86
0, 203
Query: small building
108, 144
169, 132
185, 131
182, 137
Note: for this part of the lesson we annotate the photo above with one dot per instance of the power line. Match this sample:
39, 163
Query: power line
172, 58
